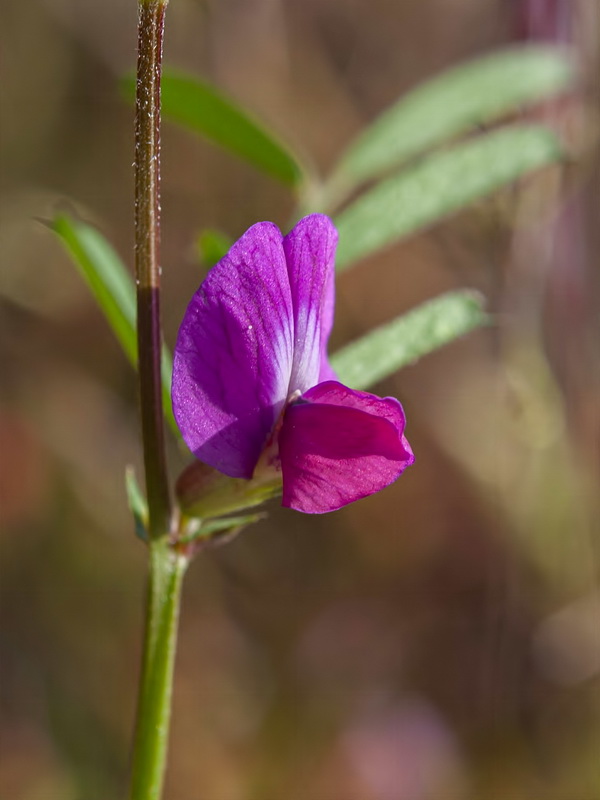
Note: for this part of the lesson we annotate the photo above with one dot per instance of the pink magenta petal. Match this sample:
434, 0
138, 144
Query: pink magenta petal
337, 445
310, 254
234, 354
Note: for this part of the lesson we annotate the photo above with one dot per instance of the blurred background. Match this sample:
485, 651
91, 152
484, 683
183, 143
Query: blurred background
439, 641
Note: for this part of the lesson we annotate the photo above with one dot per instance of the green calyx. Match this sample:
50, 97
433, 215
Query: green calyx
205, 493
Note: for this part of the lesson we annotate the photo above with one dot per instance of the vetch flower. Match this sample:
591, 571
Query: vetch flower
253, 392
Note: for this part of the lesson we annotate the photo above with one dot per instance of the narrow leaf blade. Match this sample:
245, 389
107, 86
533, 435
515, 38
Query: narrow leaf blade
407, 338
439, 185
112, 287
166, 372
106, 276
472, 94
137, 504
202, 109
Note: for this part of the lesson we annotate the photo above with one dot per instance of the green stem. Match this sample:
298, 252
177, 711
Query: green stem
167, 569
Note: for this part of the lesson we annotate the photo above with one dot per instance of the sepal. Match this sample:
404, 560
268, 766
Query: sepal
204, 492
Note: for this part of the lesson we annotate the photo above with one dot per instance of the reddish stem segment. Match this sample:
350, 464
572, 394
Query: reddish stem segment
147, 267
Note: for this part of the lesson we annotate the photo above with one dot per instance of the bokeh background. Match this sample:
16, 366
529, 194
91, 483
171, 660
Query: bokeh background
439, 641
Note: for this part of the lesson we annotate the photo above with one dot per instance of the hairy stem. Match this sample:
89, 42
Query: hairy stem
147, 266
166, 567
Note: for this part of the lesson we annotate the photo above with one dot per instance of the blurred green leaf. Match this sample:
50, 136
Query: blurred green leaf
166, 371
439, 185
212, 246
408, 337
202, 109
462, 98
112, 286
137, 504
105, 274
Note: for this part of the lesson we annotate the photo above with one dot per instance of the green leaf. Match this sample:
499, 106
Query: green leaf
212, 246
408, 337
105, 275
472, 94
202, 109
439, 185
137, 504
112, 287
166, 372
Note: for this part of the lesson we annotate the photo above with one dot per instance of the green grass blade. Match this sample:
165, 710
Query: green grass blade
200, 108
407, 338
439, 185
475, 93
113, 289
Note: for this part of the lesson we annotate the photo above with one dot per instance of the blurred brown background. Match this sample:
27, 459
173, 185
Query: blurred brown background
436, 642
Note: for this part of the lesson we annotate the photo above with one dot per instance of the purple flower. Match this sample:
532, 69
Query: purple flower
253, 391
